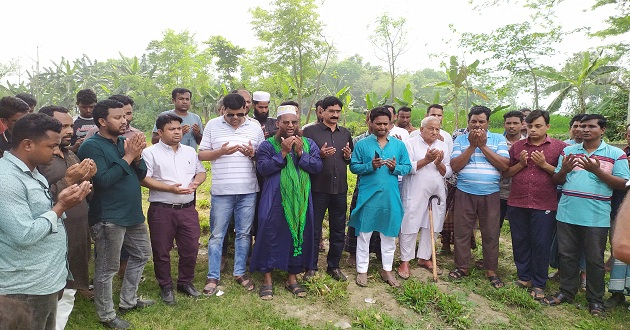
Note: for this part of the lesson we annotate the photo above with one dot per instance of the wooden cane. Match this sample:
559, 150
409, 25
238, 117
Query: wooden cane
431, 228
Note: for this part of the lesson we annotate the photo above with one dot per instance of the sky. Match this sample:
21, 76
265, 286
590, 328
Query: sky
50, 30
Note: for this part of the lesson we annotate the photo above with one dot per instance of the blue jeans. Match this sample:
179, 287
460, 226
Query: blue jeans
222, 208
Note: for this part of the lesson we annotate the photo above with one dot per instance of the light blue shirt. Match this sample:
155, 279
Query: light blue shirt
33, 242
479, 176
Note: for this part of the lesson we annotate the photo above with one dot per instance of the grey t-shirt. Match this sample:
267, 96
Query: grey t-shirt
190, 119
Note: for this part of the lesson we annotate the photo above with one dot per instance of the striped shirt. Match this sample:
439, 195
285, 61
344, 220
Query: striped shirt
479, 176
233, 174
585, 198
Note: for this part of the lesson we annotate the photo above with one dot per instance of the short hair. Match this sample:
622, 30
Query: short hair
34, 126
535, 114
166, 118
515, 113
479, 109
404, 109
525, 109
233, 101
601, 120
124, 99
380, 111
425, 121
86, 96
240, 90
10, 105
51, 109
180, 91
575, 118
387, 106
437, 106
293, 103
329, 101
101, 110
318, 104
28, 98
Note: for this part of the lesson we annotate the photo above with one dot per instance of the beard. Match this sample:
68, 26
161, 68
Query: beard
261, 116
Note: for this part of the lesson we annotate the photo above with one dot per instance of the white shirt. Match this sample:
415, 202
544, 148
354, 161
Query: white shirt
448, 139
169, 166
403, 133
233, 174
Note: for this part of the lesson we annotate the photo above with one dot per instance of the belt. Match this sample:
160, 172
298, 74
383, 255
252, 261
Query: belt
174, 206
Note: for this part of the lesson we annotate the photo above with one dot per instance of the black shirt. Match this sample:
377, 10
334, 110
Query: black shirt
5, 142
333, 179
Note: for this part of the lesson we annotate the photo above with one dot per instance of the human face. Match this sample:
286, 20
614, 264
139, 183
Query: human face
85, 110
261, 110
576, 131
404, 117
591, 130
431, 131
66, 127
248, 99
288, 125
512, 126
115, 124
436, 112
235, 117
9, 122
331, 114
478, 122
182, 102
171, 134
128, 109
537, 129
41, 151
380, 126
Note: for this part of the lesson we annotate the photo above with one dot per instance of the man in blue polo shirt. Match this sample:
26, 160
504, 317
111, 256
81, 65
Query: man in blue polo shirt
589, 172
479, 156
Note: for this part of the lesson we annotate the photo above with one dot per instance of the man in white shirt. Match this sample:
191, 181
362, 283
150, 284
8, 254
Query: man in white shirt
436, 110
173, 174
395, 131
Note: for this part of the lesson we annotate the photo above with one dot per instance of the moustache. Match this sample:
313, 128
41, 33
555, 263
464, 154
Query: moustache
334, 117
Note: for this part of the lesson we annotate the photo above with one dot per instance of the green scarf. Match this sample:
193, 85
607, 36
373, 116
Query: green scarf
294, 189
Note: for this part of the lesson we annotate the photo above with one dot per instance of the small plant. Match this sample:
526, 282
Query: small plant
374, 319
322, 285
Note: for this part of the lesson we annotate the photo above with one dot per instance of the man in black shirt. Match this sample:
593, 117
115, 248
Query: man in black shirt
11, 109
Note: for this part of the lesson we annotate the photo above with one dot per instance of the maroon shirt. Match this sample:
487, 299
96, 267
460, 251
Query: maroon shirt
532, 187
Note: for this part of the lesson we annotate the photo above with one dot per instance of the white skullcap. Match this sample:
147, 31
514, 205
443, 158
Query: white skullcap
286, 109
261, 96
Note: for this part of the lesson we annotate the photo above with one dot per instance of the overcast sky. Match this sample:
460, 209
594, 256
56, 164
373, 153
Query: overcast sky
102, 29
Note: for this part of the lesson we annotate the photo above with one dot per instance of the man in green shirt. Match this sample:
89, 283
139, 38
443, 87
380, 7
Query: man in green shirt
115, 214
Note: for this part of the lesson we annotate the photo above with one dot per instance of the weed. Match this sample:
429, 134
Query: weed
374, 319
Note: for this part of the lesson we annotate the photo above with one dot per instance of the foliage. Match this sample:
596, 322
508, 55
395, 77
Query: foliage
390, 41
227, 55
375, 319
615, 109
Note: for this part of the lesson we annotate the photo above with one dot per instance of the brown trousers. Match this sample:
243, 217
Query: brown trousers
468, 208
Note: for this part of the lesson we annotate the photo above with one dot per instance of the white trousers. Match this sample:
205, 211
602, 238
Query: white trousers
407, 244
388, 246
64, 307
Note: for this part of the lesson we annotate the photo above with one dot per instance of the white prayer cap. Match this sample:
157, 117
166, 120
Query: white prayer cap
261, 96
286, 109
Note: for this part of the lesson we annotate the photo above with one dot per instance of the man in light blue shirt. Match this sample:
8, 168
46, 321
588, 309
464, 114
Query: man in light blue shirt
33, 242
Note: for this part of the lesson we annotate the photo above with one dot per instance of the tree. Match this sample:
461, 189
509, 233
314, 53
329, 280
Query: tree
227, 55
390, 41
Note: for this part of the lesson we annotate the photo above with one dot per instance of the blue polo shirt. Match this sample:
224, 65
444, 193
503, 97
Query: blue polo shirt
479, 176
585, 198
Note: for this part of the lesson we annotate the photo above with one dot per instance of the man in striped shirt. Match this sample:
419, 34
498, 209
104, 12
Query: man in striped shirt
479, 156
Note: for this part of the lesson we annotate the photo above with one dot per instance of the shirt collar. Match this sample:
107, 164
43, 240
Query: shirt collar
602, 145
18, 162
108, 140
324, 127
167, 147
547, 140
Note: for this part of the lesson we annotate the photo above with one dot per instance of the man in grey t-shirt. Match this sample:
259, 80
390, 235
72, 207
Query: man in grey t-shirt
192, 128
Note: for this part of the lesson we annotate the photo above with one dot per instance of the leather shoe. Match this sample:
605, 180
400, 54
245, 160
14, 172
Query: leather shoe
141, 303
309, 275
188, 289
116, 323
337, 274
167, 295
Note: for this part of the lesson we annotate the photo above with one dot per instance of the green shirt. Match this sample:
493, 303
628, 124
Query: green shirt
117, 193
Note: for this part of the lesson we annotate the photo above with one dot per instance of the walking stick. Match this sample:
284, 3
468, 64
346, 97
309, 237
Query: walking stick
433, 254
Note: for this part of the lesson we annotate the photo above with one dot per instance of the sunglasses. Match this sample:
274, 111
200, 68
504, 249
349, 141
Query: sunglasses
231, 115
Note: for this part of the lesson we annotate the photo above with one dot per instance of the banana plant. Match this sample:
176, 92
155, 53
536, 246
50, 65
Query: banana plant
372, 100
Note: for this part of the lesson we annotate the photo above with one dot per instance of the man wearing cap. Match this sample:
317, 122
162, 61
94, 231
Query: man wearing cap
261, 113
285, 239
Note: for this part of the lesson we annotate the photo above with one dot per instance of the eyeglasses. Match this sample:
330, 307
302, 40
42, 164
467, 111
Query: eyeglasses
231, 115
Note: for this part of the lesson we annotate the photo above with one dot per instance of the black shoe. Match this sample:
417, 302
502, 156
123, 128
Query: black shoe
337, 274
167, 295
116, 323
614, 300
188, 289
141, 303
309, 275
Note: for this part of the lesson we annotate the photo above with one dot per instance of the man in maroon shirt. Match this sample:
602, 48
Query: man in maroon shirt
533, 202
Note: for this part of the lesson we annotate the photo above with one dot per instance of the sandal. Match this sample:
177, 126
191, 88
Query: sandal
596, 309
210, 290
362, 279
496, 282
245, 282
537, 293
523, 284
556, 299
296, 289
479, 264
266, 292
457, 273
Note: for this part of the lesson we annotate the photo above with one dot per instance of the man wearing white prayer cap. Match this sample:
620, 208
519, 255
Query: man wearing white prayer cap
261, 113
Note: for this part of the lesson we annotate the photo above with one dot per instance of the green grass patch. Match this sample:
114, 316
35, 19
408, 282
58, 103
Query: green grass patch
372, 318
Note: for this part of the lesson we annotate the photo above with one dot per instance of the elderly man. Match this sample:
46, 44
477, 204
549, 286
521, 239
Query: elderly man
33, 241
430, 163
285, 237
378, 160
229, 143
173, 174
